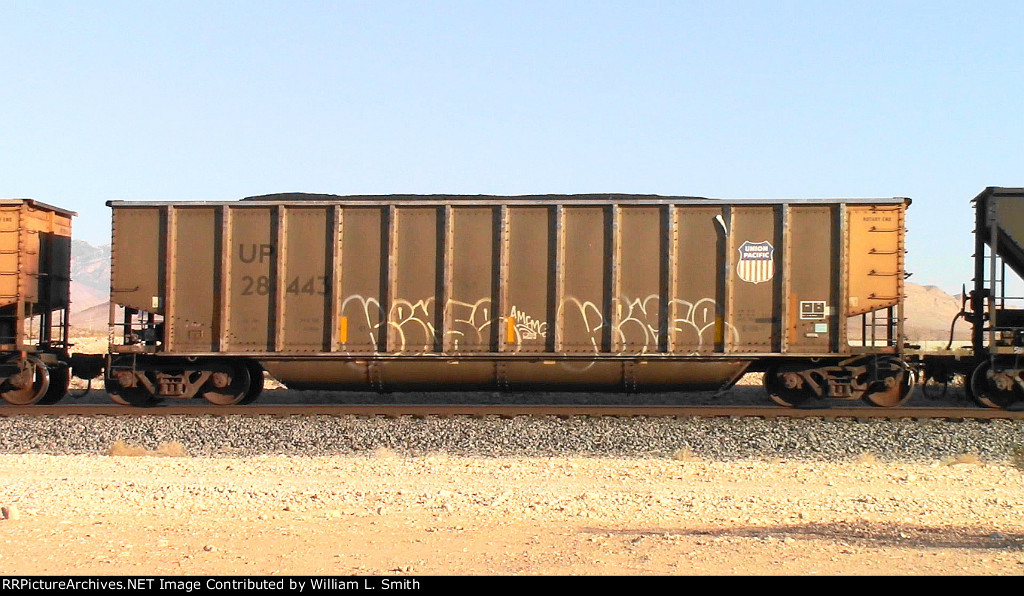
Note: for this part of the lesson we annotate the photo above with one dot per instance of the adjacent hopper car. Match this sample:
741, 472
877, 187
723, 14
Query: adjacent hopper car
35, 278
993, 365
621, 293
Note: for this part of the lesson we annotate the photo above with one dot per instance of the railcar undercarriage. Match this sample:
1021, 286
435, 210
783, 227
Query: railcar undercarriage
885, 381
131, 380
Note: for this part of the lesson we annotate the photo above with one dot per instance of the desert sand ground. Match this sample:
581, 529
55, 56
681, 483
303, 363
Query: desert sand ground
130, 514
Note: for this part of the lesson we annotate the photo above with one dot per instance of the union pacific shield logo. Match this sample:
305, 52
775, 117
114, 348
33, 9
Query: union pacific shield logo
756, 262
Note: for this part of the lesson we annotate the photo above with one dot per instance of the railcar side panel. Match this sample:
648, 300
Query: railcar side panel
641, 324
10, 254
305, 312
474, 325
585, 304
414, 314
29, 264
139, 238
251, 258
530, 284
876, 253
697, 310
753, 294
363, 273
193, 258
810, 294
1002, 213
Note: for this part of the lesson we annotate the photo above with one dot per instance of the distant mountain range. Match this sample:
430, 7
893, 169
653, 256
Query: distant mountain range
930, 311
90, 285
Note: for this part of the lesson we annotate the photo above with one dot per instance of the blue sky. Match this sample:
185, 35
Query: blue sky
220, 100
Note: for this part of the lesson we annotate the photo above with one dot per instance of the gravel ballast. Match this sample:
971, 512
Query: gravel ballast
712, 438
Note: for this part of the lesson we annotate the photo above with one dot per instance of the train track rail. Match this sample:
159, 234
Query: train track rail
509, 411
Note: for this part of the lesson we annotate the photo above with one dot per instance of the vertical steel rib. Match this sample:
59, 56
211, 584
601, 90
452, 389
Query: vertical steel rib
843, 298
112, 304
224, 295
391, 343
444, 343
559, 291
170, 262
977, 301
615, 343
501, 312
900, 272
19, 292
671, 256
333, 273
280, 283
993, 255
726, 315
786, 314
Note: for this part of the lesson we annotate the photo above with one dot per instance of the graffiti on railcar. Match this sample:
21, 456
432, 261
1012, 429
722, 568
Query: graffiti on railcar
526, 326
637, 332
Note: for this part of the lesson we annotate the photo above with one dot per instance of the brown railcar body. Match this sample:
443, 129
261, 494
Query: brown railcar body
589, 292
559, 292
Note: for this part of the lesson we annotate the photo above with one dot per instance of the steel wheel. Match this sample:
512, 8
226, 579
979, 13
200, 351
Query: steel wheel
132, 396
127, 396
255, 382
895, 390
775, 385
229, 388
28, 386
117, 399
991, 391
60, 380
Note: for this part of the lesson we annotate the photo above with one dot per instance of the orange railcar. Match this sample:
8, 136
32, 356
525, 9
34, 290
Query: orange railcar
35, 278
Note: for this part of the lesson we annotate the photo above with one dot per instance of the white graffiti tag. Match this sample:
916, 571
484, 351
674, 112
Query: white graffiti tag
527, 327
696, 327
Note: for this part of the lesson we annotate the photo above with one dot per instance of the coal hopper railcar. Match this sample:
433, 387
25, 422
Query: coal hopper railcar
623, 293
35, 279
993, 365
